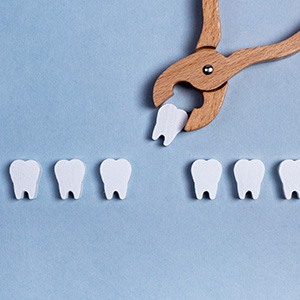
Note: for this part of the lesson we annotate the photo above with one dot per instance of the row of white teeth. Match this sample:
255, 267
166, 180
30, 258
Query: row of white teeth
70, 175
248, 174
115, 175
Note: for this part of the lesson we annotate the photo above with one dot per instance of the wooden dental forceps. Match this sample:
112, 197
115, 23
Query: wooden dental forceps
209, 71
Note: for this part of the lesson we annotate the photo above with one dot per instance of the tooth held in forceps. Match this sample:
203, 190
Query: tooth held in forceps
170, 121
206, 175
289, 172
70, 175
249, 175
115, 175
25, 175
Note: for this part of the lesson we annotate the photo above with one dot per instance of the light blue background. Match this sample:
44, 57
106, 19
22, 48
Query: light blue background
75, 82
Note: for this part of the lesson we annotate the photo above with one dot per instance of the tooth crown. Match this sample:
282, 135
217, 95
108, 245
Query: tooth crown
249, 175
115, 175
70, 175
25, 175
170, 121
206, 176
289, 172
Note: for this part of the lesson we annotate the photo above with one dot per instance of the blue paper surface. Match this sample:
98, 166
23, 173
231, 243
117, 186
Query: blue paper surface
76, 81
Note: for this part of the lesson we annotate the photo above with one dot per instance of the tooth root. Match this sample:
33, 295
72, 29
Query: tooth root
213, 192
206, 176
241, 191
19, 194
70, 175
156, 133
168, 140
115, 175
289, 172
170, 121
109, 191
31, 191
288, 192
77, 189
25, 176
249, 175
122, 191
200, 190
65, 191
255, 194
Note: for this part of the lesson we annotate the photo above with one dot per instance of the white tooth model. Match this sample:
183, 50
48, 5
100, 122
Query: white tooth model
206, 175
289, 172
25, 175
170, 121
249, 175
70, 175
115, 175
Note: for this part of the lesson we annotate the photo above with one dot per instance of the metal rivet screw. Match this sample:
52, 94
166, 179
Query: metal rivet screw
208, 69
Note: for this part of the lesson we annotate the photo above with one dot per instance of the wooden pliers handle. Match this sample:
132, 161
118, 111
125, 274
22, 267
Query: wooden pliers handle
209, 71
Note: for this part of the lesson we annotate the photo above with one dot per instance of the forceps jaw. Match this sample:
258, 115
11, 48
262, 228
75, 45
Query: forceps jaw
201, 69
201, 117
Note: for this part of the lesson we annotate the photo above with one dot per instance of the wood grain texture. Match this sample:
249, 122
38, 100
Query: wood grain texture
214, 85
211, 28
241, 59
201, 117
189, 69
